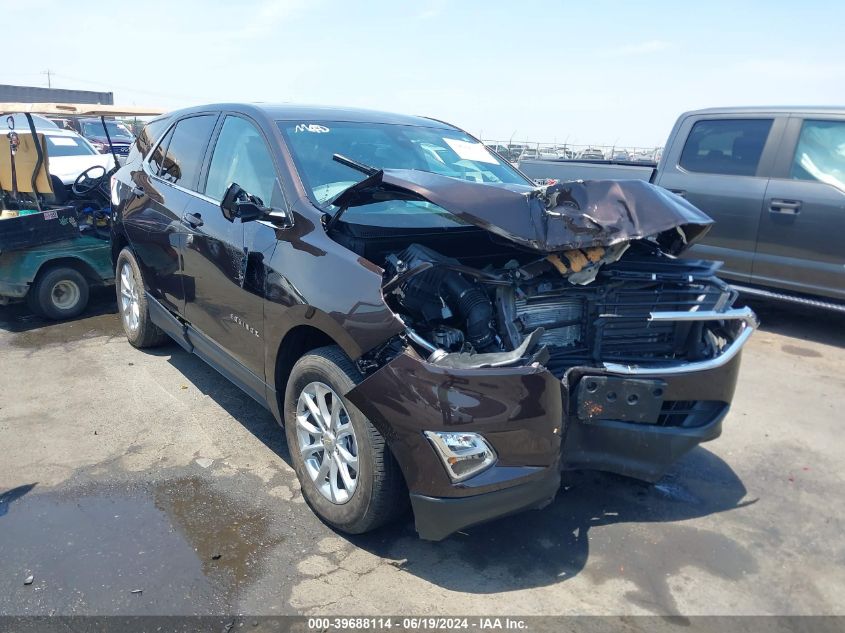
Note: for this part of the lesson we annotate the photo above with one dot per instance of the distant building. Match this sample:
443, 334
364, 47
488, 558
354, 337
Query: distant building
33, 94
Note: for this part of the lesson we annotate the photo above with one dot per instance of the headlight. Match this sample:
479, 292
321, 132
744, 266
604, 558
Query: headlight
463, 454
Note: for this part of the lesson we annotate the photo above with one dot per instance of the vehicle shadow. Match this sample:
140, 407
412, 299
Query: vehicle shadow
797, 321
601, 525
251, 415
17, 318
605, 526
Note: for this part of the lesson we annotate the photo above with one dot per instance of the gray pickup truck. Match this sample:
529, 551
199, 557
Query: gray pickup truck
773, 179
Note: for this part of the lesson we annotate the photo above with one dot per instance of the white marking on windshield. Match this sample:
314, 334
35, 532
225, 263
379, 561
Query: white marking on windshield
311, 127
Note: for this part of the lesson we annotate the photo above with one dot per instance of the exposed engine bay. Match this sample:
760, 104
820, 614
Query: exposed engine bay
579, 273
581, 306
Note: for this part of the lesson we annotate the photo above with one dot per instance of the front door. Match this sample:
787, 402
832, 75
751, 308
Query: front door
801, 244
225, 304
720, 170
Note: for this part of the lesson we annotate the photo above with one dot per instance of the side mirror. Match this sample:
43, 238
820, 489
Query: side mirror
237, 203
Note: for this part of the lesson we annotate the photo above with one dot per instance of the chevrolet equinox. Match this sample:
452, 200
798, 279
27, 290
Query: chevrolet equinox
426, 322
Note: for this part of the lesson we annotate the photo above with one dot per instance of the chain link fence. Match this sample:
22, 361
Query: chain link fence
513, 151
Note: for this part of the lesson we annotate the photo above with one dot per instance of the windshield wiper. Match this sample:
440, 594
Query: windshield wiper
373, 176
354, 164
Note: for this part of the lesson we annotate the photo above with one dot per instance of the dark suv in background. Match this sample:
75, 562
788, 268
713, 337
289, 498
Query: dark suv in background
423, 319
92, 129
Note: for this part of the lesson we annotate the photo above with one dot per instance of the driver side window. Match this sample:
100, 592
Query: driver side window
241, 155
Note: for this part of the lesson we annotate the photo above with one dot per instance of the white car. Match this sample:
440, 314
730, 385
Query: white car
69, 154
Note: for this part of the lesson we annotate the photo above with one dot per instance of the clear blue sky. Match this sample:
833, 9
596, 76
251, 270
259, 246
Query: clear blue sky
591, 72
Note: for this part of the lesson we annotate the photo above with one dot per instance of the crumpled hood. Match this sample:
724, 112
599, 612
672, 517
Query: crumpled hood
563, 216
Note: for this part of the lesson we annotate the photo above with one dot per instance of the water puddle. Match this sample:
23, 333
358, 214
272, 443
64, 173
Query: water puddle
176, 547
29, 331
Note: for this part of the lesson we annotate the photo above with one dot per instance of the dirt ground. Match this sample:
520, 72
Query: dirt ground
143, 483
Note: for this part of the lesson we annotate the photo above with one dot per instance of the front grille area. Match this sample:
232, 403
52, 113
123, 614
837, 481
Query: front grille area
608, 321
690, 413
623, 332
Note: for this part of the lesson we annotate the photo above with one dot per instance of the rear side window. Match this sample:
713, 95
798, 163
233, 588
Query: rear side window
727, 146
820, 153
185, 150
157, 157
145, 140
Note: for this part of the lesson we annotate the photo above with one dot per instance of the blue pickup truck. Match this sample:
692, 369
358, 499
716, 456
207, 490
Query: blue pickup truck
773, 178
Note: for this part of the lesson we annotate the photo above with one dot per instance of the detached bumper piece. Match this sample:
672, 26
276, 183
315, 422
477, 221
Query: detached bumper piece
438, 517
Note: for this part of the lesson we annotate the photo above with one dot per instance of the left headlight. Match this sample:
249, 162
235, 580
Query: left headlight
463, 454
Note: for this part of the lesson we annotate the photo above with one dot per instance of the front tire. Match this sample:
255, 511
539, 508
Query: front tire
59, 293
132, 303
345, 469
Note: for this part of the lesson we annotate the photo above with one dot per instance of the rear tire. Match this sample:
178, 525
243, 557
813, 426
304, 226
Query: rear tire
59, 293
132, 304
378, 494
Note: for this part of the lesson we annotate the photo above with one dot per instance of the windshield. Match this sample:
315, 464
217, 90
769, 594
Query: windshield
95, 128
445, 151
67, 146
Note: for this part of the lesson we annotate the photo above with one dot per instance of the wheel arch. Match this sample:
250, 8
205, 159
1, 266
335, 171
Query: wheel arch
80, 265
119, 241
295, 344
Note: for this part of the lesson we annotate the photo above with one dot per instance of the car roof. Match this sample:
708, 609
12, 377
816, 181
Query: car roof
21, 124
770, 110
49, 131
316, 113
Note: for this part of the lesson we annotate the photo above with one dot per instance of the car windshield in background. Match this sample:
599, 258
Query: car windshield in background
443, 151
95, 128
67, 146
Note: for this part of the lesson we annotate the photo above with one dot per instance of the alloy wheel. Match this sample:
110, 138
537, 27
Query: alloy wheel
130, 309
327, 442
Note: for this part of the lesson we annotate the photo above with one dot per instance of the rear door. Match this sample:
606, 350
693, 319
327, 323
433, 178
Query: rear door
801, 245
152, 219
226, 304
721, 164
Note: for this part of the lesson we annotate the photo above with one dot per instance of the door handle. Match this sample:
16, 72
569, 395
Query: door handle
679, 192
138, 192
192, 219
785, 207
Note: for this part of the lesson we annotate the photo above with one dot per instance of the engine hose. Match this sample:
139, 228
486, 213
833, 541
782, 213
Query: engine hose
474, 307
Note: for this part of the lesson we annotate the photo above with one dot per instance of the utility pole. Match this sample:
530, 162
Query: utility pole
48, 72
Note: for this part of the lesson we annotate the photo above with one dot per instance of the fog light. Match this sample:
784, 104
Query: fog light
463, 454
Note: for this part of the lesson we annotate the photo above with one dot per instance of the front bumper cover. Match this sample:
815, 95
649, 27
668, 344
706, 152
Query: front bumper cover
531, 420
438, 517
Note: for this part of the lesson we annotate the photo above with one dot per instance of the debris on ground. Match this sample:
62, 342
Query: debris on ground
28, 580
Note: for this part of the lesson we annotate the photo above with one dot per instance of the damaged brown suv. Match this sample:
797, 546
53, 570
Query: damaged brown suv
424, 320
